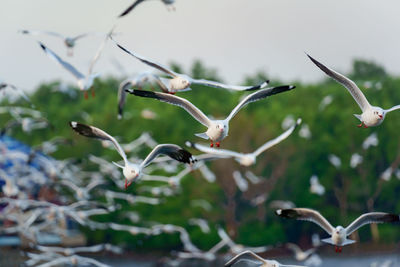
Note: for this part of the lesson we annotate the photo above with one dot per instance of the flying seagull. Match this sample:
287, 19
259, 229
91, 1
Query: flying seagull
137, 81
247, 159
131, 170
180, 82
217, 129
137, 2
371, 115
5, 85
69, 41
254, 260
338, 234
84, 82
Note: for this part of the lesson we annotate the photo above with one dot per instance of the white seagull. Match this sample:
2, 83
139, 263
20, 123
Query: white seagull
131, 170
299, 254
245, 159
180, 82
69, 41
338, 234
5, 85
371, 115
137, 2
84, 82
217, 129
254, 260
138, 81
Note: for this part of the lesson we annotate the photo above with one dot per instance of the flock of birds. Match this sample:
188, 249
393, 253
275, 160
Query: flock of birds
30, 217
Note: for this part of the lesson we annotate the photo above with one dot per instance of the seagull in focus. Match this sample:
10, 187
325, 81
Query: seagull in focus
217, 129
137, 81
168, 3
338, 234
246, 159
315, 186
253, 259
132, 171
181, 82
69, 41
84, 82
371, 115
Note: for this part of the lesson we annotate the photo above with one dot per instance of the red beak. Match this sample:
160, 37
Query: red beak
380, 116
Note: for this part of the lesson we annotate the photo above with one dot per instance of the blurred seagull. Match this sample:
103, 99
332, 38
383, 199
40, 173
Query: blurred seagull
4, 85
371, 140
246, 159
69, 41
299, 254
315, 186
371, 115
132, 171
84, 82
138, 81
335, 161
137, 2
355, 160
254, 260
217, 129
338, 234
180, 82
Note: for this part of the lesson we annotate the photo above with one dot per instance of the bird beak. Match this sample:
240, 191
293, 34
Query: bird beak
380, 116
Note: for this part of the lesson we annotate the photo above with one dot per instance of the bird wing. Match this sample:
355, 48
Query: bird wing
80, 36
392, 108
100, 50
173, 151
277, 140
42, 32
93, 132
306, 215
148, 62
177, 101
258, 96
125, 85
372, 217
246, 256
130, 8
78, 75
358, 96
230, 87
218, 152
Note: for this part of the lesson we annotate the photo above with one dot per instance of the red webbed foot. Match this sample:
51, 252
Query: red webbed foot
86, 95
217, 144
211, 145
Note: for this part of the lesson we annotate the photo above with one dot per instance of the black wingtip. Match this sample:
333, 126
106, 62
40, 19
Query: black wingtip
186, 157
287, 213
82, 129
42, 46
260, 86
392, 218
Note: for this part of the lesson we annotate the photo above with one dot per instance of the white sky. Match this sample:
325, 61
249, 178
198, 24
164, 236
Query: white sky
237, 37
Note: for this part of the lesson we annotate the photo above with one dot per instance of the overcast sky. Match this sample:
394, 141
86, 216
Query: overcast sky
237, 37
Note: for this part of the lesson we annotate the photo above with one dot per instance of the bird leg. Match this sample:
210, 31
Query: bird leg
340, 249
336, 249
365, 126
86, 95
212, 144
93, 93
360, 125
217, 144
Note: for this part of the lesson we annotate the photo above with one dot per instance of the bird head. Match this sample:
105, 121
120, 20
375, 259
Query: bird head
379, 113
131, 172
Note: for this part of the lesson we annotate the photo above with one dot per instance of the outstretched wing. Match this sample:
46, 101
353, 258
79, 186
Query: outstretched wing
358, 96
372, 217
177, 101
146, 61
93, 132
261, 94
130, 8
230, 87
392, 108
306, 215
173, 151
63, 63
223, 153
277, 140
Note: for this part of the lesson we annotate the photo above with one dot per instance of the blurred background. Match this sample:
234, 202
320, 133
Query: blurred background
60, 189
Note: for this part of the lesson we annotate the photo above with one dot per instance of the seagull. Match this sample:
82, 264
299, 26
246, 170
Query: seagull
84, 82
181, 82
5, 85
299, 254
338, 234
254, 260
137, 2
246, 159
217, 129
371, 115
69, 41
315, 186
371, 140
132, 171
355, 160
137, 81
